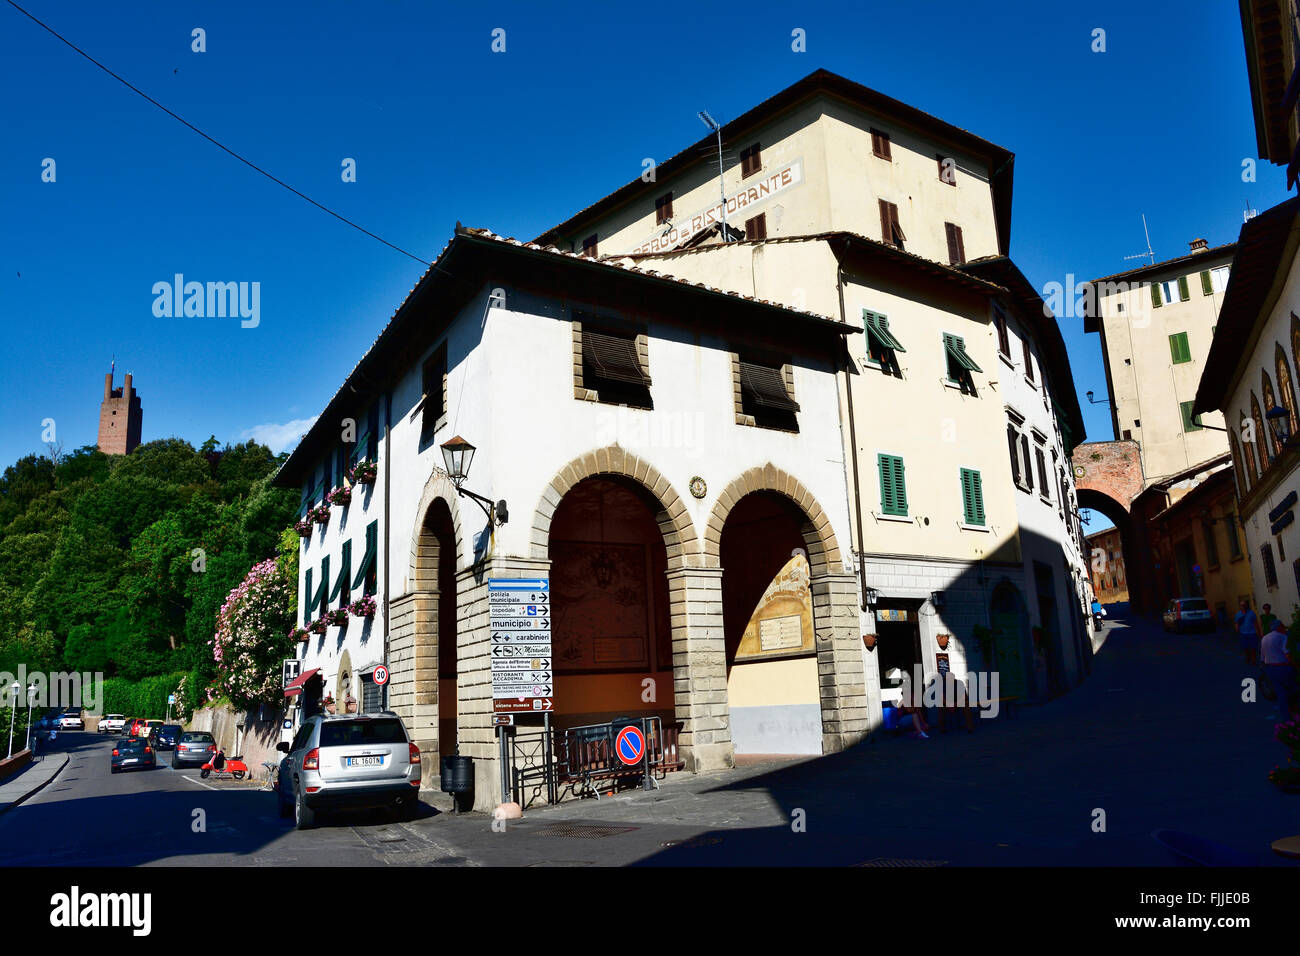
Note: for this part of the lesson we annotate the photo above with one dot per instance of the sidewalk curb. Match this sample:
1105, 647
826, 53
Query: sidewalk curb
39, 787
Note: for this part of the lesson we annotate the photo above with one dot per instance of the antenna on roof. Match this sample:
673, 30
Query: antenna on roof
1148, 254
712, 124
1249, 213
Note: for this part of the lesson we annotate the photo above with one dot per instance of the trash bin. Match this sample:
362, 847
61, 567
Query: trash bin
457, 774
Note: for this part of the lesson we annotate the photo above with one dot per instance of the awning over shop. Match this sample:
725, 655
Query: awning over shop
957, 349
296, 685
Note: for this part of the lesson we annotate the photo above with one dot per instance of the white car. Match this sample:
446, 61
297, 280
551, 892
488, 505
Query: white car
70, 720
111, 723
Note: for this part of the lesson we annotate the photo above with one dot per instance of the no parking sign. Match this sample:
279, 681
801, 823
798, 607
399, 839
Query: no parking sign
630, 746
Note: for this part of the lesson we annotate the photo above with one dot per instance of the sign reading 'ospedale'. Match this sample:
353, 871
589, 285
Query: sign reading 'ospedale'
779, 181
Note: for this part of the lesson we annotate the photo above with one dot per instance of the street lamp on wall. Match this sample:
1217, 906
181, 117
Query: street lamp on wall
457, 454
1279, 420
869, 597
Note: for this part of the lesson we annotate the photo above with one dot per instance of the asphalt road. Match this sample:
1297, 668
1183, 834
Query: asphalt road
90, 817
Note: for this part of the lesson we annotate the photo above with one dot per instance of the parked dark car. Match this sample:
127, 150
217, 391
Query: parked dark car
165, 737
194, 748
134, 753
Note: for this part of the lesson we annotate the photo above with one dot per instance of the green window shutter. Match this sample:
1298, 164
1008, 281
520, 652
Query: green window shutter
972, 496
342, 587
893, 489
1191, 423
1179, 351
321, 597
1207, 287
1155, 295
367, 574
310, 600
1183, 294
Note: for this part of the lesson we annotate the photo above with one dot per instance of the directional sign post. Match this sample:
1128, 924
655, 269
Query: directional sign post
520, 623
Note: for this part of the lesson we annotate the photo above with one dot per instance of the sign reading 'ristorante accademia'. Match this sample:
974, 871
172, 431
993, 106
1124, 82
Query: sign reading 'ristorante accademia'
740, 201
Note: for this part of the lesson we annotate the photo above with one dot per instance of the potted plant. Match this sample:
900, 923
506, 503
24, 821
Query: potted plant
341, 496
337, 617
870, 641
364, 471
318, 626
943, 640
363, 607
321, 514
349, 704
299, 634
328, 703
984, 640
303, 527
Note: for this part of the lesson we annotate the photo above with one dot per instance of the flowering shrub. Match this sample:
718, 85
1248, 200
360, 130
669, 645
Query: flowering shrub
321, 514
363, 607
341, 496
303, 527
251, 638
364, 471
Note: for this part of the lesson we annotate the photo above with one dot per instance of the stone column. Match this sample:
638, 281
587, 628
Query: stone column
413, 675
700, 668
477, 735
839, 661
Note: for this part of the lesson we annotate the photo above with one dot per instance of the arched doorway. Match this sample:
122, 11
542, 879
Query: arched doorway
1138, 570
773, 690
423, 664
611, 630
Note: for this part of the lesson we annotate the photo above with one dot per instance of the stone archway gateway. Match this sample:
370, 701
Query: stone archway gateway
1108, 478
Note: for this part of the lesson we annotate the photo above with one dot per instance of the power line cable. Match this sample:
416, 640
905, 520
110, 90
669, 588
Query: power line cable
219, 145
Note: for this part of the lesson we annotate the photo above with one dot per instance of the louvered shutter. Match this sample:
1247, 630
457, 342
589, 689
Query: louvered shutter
613, 358
1155, 295
1207, 287
1183, 294
764, 385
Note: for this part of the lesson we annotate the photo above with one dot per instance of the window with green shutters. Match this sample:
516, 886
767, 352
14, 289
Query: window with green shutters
1191, 423
972, 497
893, 485
1207, 287
1183, 294
1155, 295
1178, 348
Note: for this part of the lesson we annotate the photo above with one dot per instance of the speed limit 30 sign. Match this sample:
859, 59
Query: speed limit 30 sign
380, 675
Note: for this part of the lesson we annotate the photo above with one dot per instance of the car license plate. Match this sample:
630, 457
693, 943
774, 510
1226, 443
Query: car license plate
129, 760
365, 761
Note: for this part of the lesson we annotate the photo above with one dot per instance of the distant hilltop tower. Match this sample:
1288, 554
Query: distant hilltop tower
119, 417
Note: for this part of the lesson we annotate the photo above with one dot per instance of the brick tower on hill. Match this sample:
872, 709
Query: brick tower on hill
119, 417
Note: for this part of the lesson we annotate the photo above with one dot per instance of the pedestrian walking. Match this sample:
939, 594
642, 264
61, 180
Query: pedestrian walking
1266, 618
1248, 632
1277, 665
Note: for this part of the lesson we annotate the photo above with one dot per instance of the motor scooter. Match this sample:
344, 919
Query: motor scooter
221, 766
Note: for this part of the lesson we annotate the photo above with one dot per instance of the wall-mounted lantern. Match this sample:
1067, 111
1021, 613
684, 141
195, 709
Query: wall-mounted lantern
457, 454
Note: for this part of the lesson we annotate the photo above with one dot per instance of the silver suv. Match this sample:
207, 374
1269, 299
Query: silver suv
349, 762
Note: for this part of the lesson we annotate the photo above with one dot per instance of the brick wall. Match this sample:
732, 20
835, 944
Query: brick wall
1113, 468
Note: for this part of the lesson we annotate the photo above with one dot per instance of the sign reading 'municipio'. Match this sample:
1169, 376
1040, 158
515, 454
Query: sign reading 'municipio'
782, 179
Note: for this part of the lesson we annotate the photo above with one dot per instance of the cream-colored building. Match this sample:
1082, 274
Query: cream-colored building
1156, 324
851, 204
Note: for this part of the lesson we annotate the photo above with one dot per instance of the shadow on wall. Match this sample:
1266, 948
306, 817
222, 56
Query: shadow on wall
257, 742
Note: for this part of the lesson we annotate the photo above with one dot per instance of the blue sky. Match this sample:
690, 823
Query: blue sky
444, 129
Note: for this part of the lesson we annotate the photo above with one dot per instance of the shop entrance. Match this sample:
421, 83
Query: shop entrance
898, 645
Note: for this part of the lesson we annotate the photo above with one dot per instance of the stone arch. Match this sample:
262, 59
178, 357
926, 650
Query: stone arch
680, 537
824, 555
438, 487
1285, 386
1270, 402
1261, 435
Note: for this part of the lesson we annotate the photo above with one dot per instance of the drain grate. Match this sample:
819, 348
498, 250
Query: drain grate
896, 861
585, 832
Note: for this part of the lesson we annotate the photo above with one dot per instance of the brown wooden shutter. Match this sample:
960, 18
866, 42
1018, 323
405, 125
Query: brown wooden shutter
613, 358
1029, 359
886, 223
589, 246
756, 228
956, 250
765, 386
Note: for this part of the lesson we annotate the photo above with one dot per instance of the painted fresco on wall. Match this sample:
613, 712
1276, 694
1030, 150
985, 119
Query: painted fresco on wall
601, 614
782, 623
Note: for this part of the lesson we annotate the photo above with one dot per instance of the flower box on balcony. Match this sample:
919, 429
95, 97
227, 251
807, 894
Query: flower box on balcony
321, 514
341, 496
303, 527
363, 607
318, 626
364, 472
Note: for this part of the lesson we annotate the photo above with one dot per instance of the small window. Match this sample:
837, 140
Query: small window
663, 209
1270, 570
956, 249
893, 485
589, 246
765, 397
947, 170
972, 497
1156, 300
756, 228
1281, 551
1013, 444
1028, 473
960, 364
1000, 323
882, 344
1128, 435
1043, 487
890, 230
434, 407
1211, 545
611, 366
1029, 358
1207, 285
1179, 351
751, 161
880, 144
1191, 423
1234, 544
1219, 278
